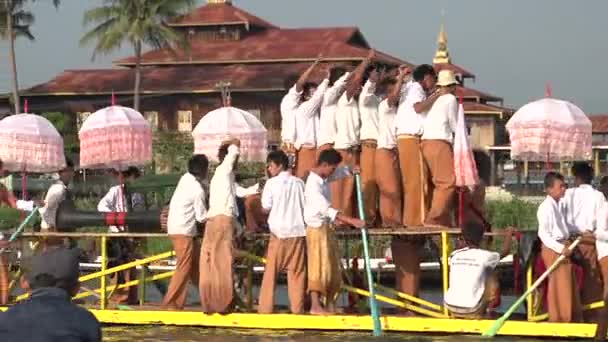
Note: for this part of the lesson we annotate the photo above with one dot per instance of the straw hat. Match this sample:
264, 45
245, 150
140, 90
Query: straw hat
446, 78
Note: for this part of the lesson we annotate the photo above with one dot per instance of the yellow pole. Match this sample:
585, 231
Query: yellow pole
444, 266
104, 260
530, 303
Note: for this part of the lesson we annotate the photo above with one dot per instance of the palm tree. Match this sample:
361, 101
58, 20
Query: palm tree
136, 22
15, 22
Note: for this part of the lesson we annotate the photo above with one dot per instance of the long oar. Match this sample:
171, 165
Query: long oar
368, 265
501, 321
21, 227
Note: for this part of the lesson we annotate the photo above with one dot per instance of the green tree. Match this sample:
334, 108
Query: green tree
136, 22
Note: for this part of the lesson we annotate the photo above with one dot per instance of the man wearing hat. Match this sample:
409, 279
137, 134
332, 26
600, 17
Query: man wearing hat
51, 279
437, 138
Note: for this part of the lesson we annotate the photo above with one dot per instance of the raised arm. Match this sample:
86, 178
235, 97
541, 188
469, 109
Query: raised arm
425, 104
355, 79
334, 92
369, 90
306, 75
394, 96
310, 107
227, 164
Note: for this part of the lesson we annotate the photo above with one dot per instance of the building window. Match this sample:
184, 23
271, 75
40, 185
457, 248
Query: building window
152, 118
81, 117
256, 112
184, 121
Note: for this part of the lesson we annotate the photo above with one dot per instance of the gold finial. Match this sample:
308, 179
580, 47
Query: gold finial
442, 56
219, 1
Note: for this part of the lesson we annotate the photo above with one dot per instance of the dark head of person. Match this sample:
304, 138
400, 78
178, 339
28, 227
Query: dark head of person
56, 268
67, 173
472, 234
198, 166
328, 162
276, 162
583, 173
290, 81
425, 75
308, 90
555, 185
335, 74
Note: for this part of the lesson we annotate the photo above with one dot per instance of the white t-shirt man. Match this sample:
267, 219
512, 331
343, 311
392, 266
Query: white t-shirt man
469, 270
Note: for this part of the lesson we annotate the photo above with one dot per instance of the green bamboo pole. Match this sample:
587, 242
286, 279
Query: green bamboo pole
368, 265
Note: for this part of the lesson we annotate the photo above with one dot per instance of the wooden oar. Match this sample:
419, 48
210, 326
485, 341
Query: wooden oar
21, 227
491, 332
368, 265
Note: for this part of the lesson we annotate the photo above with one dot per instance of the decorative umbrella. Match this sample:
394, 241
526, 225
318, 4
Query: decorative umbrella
30, 143
550, 130
115, 137
465, 169
229, 123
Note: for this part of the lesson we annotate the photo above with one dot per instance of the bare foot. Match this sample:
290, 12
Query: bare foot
318, 311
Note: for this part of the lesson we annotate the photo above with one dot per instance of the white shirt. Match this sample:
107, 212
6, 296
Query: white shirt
348, 123
580, 207
601, 231
440, 121
386, 126
469, 269
408, 121
222, 189
327, 120
187, 207
317, 207
307, 118
54, 196
289, 104
552, 227
368, 107
113, 202
283, 195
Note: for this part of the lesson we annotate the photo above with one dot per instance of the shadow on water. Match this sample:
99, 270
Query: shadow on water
187, 334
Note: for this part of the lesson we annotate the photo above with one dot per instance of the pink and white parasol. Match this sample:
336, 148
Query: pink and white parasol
465, 168
30, 143
115, 137
550, 130
226, 123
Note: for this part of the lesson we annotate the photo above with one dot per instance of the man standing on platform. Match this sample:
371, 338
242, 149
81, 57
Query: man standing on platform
216, 261
338, 78
348, 126
186, 211
55, 196
437, 138
289, 104
307, 124
283, 199
581, 206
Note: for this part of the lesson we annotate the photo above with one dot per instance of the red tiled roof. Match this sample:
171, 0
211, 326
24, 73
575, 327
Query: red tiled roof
470, 107
216, 14
599, 123
188, 79
469, 92
458, 70
270, 45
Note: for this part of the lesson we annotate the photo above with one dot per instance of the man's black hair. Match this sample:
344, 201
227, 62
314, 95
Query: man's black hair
290, 81
583, 172
473, 233
329, 156
308, 86
198, 165
421, 71
551, 178
335, 74
279, 158
47, 280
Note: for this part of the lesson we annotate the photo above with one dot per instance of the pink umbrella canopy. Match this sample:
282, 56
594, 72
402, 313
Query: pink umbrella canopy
227, 123
30, 143
550, 130
115, 137
465, 168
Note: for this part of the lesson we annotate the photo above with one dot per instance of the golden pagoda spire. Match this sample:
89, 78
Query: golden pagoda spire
442, 56
219, 1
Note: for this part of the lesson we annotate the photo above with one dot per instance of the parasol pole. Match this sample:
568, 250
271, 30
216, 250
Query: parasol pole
25, 106
113, 99
548, 165
460, 191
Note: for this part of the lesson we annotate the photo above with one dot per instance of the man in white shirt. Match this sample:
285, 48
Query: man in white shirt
338, 78
307, 123
601, 243
283, 199
323, 252
563, 301
55, 196
187, 211
473, 284
386, 161
216, 261
410, 120
289, 104
581, 206
439, 127
348, 125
